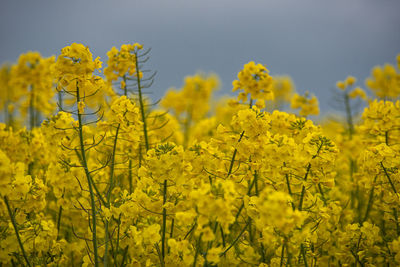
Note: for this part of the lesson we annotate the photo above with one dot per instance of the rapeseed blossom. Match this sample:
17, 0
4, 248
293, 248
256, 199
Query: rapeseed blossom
109, 179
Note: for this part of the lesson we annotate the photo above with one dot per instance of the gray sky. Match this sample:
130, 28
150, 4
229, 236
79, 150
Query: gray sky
316, 42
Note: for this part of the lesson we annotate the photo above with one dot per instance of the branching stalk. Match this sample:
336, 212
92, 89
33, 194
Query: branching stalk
14, 223
110, 188
89, 180
146, 139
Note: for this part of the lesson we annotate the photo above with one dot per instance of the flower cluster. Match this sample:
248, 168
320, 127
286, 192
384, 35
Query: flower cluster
255, 81
192, 182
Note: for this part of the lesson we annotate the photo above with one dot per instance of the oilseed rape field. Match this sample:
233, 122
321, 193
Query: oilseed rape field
95, 173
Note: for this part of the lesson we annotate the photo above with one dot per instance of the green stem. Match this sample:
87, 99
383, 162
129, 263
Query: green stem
102, 200
396, 217
389, 179
124, 256
370, 202
256, 182
60, 101
348, 115
234, 155
352, 193
290, 190
59, 222
196, 254
89, 180
164, 218
242, 205
236, 239
262, 250
186, 126
14, 223
118, 233
222, 235
125, 87
322, 193
303, 189
303, 253
31, 110
172, 228
282, 255
110, 188
162, 264
146, 139
112, 167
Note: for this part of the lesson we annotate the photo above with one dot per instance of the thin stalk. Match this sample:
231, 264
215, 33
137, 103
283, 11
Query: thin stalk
370, 202
130, 160
234, 155
322, 193
124, 256
290, 191
282, 255
209, 245
107, 240
172, 228
164, 218
89, 180
256, 182
31, 110
118, 233
146, 138
396, 217
303, 189
112, 167
186, 127
197, 250
242, 205
349, 115
262, 250
125, 88
303, 253
110, 188
159, 255
222, 235
102, 200
60, 101
59, 222
236, 239
190, 231
353, 194
389, 179
14, 223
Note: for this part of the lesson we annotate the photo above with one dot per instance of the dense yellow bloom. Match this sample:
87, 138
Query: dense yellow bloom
283, 89
273, 208
208, 183
193, 98
358, 92
121, 62
308, 106
30, 84
76, 60
255, 81
385, 81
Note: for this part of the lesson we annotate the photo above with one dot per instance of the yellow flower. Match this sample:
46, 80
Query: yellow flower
358, 92
81, 107
255, 81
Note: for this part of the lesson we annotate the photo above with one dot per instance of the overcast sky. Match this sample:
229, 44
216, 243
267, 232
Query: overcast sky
316, 42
